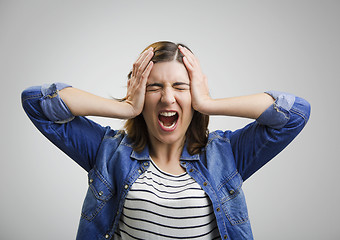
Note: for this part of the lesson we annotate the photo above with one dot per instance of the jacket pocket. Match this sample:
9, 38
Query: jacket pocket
98, 193
233, 200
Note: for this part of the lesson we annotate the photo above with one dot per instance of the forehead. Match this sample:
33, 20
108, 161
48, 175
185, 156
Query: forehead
168, 72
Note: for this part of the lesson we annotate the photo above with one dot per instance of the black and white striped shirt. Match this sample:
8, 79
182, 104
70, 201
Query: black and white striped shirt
160, 205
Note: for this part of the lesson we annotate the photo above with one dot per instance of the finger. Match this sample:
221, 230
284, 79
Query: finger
189, 55
137, 63
144, 64
146, 73
140, 60
187, 64
186, 61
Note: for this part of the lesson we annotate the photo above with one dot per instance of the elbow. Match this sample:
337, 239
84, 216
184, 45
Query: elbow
303, 108
31, 92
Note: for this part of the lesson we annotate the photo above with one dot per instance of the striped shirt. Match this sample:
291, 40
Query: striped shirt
160, 205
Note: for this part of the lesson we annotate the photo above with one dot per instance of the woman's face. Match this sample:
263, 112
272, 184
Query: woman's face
167, 108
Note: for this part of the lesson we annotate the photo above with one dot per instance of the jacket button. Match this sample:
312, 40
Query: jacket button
205, 184
146, 164
231, 192
225, 236
191, 170
91, 180
100, 193
107, 236
139, 171
126, 186
218, 209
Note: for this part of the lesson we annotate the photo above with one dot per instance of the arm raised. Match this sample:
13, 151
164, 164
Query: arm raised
82, 103
251, 106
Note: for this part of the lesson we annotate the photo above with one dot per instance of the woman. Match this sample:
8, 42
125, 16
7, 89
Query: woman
165, 177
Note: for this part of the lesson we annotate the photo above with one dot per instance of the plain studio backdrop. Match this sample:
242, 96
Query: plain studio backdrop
244, 47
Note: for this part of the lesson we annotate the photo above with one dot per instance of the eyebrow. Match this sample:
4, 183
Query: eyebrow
161, 85
180, 83
154, 84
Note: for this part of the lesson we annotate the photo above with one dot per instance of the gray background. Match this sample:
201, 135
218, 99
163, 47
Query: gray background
244, 47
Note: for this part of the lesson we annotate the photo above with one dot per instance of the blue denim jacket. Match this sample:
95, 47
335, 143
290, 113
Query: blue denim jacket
228, 159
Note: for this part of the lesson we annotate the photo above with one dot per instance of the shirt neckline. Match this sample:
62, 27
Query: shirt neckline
166, 173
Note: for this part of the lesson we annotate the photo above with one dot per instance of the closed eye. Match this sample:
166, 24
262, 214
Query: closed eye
153, 87
181, 86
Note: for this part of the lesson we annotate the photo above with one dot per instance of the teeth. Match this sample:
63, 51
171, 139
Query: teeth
168, 114
169, 127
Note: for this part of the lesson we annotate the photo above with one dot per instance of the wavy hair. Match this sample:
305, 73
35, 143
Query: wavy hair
197, 132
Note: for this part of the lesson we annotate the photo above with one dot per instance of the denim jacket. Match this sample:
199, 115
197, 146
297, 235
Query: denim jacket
228, 159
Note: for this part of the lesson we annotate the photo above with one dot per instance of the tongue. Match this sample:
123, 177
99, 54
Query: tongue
167, 121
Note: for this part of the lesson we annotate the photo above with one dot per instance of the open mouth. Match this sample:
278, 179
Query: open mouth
168, 120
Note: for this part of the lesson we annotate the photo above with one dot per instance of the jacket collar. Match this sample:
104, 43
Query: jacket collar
144, 155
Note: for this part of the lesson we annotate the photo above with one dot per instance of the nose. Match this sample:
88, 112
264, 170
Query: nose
168, 96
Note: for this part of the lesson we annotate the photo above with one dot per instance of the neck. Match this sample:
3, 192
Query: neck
167, 156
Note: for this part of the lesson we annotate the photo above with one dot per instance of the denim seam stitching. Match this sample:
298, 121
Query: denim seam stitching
218, 137
235, 222
227, 180
123, 194
127, 144
32, 96
96, 193
243, 220
103, 180
111, 137
212, 138
237, 190
95, 213
52, 95
232, 221
225, 229
296, 111
276, 107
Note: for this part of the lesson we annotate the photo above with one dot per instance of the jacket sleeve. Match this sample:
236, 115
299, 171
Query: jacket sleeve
258, 142
78, 137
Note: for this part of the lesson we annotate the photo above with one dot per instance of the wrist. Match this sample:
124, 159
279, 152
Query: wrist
204, 106
127, 110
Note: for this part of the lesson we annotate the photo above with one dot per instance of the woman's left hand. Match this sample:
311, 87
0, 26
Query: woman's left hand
198, 81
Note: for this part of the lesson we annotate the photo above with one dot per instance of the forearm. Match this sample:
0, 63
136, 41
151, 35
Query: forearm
82, 103
251, 106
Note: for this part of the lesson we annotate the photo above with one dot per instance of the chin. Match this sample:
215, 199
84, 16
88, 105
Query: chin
170, 139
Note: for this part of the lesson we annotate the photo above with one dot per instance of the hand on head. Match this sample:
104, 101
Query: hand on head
137, 82
141, 71
198, 81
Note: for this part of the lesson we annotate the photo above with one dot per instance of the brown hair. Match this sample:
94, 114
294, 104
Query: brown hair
197, 133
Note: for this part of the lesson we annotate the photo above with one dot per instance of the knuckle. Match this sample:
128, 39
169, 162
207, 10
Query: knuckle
139, 71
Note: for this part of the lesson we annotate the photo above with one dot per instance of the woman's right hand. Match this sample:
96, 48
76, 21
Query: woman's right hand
82, 103
137, 83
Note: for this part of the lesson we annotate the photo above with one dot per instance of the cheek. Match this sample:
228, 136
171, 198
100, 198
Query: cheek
149, 106
185, 101
148, 102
